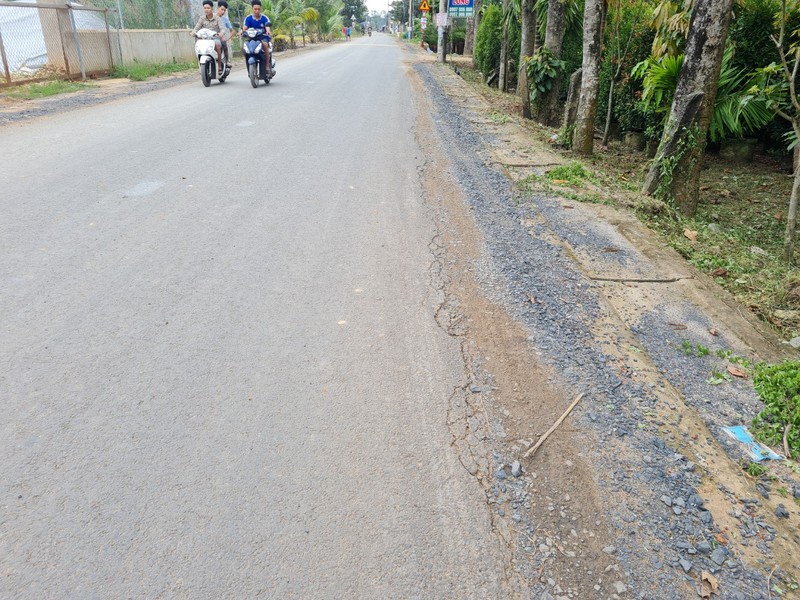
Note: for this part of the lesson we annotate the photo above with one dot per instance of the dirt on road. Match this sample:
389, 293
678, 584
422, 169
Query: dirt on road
638, 492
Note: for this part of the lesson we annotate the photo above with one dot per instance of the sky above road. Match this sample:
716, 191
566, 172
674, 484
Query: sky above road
377, 5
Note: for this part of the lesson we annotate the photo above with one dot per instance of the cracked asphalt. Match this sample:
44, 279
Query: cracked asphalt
326, 386
229, 382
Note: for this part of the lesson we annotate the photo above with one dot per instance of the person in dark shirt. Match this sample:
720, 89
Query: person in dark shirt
260, 21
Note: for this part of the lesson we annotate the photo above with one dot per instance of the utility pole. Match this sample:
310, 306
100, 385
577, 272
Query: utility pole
410, 18
441, 52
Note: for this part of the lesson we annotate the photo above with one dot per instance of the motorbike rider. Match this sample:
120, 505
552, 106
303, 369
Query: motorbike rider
222, 13
257, 20
210, 21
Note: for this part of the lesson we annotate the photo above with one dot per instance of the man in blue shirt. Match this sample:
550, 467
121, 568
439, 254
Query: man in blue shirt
260, 21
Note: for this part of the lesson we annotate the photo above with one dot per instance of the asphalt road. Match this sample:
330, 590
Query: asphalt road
221, 376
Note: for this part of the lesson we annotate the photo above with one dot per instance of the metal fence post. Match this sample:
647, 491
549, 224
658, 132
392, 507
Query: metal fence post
77, 43
5, 60
63, 44
121, 20
108, 39
160, 13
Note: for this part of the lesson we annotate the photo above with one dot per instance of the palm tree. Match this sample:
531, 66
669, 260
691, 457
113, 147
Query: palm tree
329, 22
291, 15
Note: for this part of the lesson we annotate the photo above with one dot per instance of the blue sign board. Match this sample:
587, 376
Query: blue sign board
460, 8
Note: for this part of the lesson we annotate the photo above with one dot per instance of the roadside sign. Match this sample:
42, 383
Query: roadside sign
461, 8
424, 6
423, 23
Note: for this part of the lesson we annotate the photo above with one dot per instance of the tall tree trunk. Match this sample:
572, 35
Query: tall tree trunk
687, 125
583, 139
477, 21
526, 44
609, 112
469, 37
526, 96
502, 81
791, 219
550, 109
571, 108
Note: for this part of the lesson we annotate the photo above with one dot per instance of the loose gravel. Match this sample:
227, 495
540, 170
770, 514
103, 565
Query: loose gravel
666, 537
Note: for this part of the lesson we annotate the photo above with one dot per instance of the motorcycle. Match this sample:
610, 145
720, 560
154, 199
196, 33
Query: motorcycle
369, 31
207, 57
254, 56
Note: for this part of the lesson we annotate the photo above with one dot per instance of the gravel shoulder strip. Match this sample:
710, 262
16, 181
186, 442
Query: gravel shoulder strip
675, 504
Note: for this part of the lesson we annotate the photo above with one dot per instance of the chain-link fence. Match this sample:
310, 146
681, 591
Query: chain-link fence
40, 42
150, 14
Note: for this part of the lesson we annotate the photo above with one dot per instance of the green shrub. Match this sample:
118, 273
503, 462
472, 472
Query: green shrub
779, 388
141, 71
636, 36
487, 45
280, 42
42, 90
543, 71
754, 22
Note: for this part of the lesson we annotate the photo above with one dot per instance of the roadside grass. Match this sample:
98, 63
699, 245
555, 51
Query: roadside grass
572, 174
33, 91
143, 71
739, 223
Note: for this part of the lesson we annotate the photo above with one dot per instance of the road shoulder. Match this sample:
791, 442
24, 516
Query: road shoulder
639, 490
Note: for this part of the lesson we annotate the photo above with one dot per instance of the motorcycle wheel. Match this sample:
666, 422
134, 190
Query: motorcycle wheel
205, 74
251, 71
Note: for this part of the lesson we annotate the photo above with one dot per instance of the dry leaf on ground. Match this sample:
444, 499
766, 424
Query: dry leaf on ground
708, 585
691, 235
736, 372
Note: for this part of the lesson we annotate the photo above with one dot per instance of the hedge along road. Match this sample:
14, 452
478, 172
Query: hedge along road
222, 373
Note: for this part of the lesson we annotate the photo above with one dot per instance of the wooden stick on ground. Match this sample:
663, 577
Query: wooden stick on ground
769, 588
535, 447
786, 440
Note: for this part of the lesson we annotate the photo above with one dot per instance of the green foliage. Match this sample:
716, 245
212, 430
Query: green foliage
42, 90
149, 14
750, 32
755, 469
141, 71
487, 44
459, 31
543, 70
690, 349
736, 111
778, 386
573, 17
627, 39
670, 163
354, 8
573, 173
718, 377
671, 24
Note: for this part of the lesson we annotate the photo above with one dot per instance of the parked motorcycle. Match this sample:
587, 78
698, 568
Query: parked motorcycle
207, 57
254, 56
